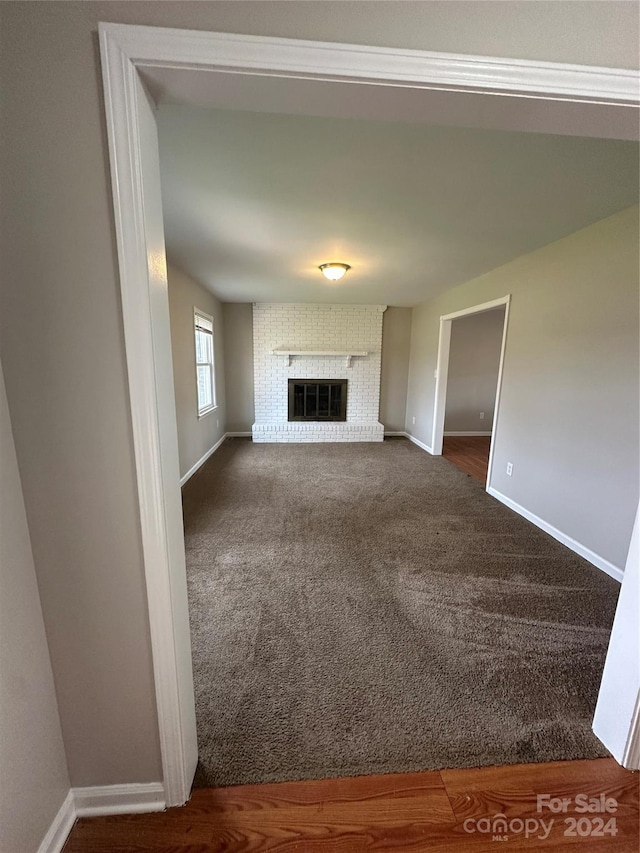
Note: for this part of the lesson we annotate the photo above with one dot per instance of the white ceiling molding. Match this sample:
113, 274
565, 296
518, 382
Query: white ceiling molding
159, 47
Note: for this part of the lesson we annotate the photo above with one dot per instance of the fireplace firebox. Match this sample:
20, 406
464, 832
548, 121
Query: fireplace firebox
317, 399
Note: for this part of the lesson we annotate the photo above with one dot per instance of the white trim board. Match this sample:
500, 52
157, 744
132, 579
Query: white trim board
149, 46
480, 308
100, 800
119, 799
616, 720
631, 757
204, 458
466, 432
137, 205
577, 547
239, 434
419, 443
60, 827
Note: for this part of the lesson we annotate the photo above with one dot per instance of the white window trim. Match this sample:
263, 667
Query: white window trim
205, 412
202, 413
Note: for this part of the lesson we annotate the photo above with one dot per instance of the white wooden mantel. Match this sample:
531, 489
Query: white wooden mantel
346, 354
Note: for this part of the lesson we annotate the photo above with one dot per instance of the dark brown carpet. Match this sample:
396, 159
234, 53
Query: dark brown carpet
367, 608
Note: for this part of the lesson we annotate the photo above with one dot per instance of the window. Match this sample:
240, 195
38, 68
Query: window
205, 371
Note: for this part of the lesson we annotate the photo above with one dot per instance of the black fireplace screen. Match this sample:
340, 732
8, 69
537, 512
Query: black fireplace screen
317, 399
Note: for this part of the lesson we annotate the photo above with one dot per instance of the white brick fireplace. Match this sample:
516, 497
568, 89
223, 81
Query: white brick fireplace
317, 342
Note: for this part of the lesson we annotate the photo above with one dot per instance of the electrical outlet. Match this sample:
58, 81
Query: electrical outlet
481, 416
509, 469
413, 420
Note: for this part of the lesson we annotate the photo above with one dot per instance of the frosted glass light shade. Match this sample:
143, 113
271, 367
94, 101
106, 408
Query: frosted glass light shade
334, 271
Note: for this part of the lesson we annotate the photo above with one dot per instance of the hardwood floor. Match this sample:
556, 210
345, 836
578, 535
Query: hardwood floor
437, 811
470, 453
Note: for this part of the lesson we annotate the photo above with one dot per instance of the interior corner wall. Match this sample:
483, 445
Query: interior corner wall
568, 418
472, 378
238, 365
35, 780
196, 435
396, 344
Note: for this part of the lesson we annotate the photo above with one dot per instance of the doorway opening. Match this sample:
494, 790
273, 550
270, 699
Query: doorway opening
471, 354
129, 55
472, 384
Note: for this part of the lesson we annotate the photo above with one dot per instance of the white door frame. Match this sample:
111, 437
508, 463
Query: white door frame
442, 373
125, 51
617, 716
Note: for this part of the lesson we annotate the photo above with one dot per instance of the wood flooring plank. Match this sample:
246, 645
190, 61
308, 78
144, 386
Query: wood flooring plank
413, 837
530, 777
387, 824
316, 791
486, 792
411, 812
385, 812
468, 453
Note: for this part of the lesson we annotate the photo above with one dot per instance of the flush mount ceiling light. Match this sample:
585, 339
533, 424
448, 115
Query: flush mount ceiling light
333, 271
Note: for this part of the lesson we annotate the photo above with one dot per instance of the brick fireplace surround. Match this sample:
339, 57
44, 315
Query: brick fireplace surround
301, 341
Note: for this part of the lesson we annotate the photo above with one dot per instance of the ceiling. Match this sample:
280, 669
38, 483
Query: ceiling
254, 202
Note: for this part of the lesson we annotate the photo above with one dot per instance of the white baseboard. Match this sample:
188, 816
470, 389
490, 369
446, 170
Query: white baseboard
400, 433
101, 800
239, 434
466, 432
203, 459
598, 561
61, 826
419, 443
119, 799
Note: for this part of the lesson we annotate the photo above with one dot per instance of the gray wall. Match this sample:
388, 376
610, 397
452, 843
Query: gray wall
34, 769
474, 358
568, 416
195, 435
62, 340
396, 343
64, 364
238, 365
